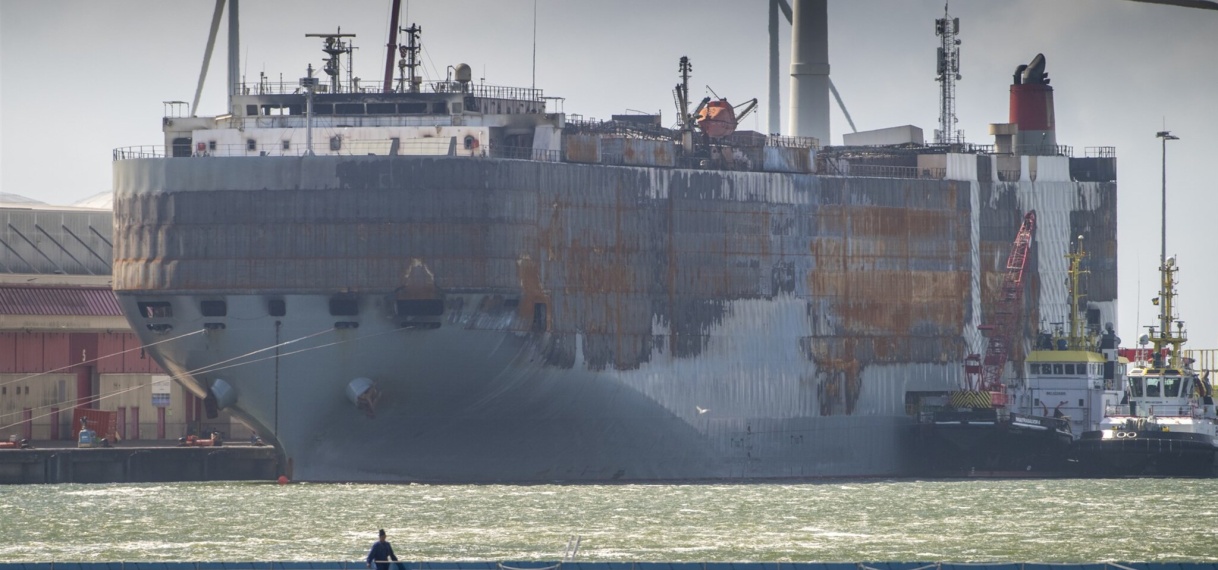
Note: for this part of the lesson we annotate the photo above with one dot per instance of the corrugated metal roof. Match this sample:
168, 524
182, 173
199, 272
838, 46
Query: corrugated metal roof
58, 300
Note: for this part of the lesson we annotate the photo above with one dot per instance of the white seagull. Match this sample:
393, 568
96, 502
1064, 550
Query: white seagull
701, 410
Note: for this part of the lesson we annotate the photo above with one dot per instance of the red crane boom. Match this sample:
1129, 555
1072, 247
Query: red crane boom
1003, 328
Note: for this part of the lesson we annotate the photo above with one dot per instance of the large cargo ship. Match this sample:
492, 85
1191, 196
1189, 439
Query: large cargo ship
453, 282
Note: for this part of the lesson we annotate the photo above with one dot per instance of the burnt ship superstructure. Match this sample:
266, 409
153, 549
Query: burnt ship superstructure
453, 282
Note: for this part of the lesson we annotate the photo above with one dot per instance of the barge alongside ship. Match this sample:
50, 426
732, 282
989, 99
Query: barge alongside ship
452, 282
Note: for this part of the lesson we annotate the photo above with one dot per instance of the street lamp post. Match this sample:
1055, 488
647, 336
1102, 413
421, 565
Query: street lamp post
1164, 271
1166, 136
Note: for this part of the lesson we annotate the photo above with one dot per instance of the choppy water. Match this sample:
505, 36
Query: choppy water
998, 521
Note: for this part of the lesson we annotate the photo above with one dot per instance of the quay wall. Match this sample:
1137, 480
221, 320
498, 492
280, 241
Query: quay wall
137, 465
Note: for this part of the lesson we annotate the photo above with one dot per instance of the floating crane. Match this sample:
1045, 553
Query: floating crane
985, 375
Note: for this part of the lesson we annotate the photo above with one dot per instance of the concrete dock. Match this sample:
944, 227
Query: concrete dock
138, 464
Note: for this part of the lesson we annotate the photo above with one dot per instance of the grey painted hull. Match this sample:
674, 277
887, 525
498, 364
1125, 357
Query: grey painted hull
600, 323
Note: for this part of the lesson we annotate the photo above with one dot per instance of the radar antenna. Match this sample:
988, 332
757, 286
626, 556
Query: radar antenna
335, 47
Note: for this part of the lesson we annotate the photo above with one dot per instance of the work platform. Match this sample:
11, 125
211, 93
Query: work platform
138, 464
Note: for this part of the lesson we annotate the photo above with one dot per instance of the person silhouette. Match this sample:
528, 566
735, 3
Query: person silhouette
381, 553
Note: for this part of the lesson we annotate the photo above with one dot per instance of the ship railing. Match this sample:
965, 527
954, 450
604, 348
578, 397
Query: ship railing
442, 86
141, 151
1159, 411
338, 121
1044, 149
332, 146
1204, 359
1100, 151
955, 148
879, 171
792, 141
337, 146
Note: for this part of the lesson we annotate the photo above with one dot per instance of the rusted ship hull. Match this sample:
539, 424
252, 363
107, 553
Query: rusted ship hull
529, 321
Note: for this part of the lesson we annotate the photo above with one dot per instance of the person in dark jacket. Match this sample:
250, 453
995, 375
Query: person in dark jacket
381, 553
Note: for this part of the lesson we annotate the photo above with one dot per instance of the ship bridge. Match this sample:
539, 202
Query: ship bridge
451, 118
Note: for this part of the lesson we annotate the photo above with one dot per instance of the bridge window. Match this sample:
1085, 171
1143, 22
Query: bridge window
344, 306
213, 308
1153, 387
349, 109
1069, 370
1135, 387
381, 108
1057, 369
276, 307
420, 307
156, 309
181, 147
1171, 387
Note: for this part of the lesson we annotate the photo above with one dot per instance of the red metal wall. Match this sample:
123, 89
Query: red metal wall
8, 352
34, 352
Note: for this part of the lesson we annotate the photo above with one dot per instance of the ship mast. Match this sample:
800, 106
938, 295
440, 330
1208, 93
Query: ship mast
1078, 339
335, 47
1165, 336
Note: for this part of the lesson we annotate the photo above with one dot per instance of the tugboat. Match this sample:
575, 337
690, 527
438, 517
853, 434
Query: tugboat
1075, 374
1166, 425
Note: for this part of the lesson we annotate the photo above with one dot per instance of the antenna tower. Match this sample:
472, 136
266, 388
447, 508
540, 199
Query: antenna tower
948, 68
409, 61
335, 47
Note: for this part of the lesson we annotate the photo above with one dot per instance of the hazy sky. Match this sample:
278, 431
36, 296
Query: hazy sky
78, 78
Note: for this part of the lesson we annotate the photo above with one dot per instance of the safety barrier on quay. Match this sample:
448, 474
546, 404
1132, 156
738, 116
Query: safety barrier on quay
552, 565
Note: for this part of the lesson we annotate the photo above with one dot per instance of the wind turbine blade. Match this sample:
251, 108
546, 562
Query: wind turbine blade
786, 9
833, 90
211, 43
1203, 4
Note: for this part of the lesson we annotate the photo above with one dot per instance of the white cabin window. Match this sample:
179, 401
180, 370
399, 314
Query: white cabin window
1153, 387
1171, 387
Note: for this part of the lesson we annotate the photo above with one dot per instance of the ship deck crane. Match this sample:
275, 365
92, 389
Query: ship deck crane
985, 375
